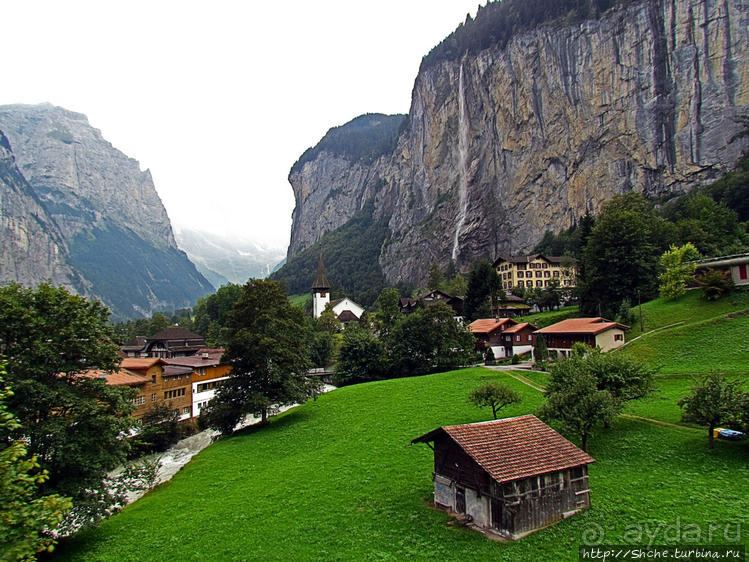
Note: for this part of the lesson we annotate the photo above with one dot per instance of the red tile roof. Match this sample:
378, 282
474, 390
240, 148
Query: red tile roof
513, 448
123, 377
195, 361
519, 327
488, 325
581, 326
140, 363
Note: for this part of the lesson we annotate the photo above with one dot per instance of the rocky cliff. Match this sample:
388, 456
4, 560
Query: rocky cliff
506, 143
102, 227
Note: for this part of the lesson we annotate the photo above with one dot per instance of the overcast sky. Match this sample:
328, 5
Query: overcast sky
218, 99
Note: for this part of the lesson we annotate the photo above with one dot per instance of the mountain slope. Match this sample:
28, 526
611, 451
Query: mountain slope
527, 132
109, 224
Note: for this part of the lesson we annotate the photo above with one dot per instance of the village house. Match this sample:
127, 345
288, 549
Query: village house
508, 477
594, 332
170, 342
518, 339
737, 265
489, 333
408, 305
536, 271
206, 374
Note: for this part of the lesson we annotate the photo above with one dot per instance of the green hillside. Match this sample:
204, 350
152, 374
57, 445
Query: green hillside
336, 479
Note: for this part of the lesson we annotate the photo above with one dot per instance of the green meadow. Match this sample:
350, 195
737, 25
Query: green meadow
336, 479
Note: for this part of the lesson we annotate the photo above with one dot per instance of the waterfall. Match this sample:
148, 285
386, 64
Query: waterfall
463, 164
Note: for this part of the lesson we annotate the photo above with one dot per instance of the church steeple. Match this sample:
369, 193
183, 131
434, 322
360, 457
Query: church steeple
320, 290
321, 280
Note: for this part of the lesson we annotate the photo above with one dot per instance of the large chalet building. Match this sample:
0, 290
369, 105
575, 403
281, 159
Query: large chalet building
535, 271
170, 342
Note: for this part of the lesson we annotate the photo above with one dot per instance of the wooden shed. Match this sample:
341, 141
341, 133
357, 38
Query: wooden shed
511, 476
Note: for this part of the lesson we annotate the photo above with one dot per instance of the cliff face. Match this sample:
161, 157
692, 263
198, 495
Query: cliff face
83, 214
507, 144
33, 246
81, 178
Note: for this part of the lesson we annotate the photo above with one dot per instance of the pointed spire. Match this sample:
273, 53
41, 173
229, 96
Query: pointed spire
321, 280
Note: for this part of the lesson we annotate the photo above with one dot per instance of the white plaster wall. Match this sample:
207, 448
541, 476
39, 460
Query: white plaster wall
478, 508
319, 303
347, 304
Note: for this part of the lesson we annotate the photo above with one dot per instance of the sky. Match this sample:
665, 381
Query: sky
218, 99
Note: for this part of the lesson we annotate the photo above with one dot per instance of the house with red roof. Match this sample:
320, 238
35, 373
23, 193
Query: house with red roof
594, 332
508, 477
518, 338
489, 333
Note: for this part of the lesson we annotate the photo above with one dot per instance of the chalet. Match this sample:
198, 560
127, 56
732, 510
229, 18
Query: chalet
408, 305
535, 271
511, 306
737, 265
488, 333
594, 332
518, 339
170, 342
165, 384
508, 477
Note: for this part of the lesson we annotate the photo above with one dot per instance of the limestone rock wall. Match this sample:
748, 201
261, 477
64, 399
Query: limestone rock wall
502, 146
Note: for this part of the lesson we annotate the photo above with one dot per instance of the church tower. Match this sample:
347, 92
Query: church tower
320, 290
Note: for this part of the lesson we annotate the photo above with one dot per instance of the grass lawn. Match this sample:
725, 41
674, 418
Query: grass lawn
699, 347
300, 301
543, 319
336, 479
690, 308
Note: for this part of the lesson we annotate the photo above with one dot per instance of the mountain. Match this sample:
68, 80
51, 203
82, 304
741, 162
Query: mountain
112, 235
533, 114
222, 259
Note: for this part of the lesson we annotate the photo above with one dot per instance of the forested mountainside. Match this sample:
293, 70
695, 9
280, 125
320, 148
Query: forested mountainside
87, 217
521, 123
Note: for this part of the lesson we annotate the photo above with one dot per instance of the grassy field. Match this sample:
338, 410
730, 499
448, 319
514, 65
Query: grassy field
336, 479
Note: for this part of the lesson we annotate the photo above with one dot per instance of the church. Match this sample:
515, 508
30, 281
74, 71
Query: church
344, 309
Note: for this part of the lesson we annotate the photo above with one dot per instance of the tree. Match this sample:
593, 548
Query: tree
72, 423
158, 322
435, 277
540, 350
212, 313
678, 264
24, 515
327, 322
361, 358
388, 311
621, 255
579, 405
429, 340
484, 290
268, 350
714, 400
495, 394
715, 283
159, 430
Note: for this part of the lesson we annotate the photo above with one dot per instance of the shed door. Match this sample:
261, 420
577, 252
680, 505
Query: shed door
742, 272
496, 507
460, 500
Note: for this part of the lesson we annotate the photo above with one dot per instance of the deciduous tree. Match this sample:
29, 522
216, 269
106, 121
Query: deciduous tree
678, 264
268, 350
24, 514
714, 400
495, 394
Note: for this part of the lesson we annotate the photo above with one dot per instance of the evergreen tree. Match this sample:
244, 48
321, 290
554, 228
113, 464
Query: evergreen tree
484, 290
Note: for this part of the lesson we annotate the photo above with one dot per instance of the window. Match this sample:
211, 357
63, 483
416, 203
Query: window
539, 274
186, 410
521, 273
529, 284
138, 400
547, 273
517, 338
545, 265
153, 397
539, 283
618, 337
556, 273
322, 294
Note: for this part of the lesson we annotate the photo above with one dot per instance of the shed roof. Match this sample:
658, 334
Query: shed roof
582, 326
513, 448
